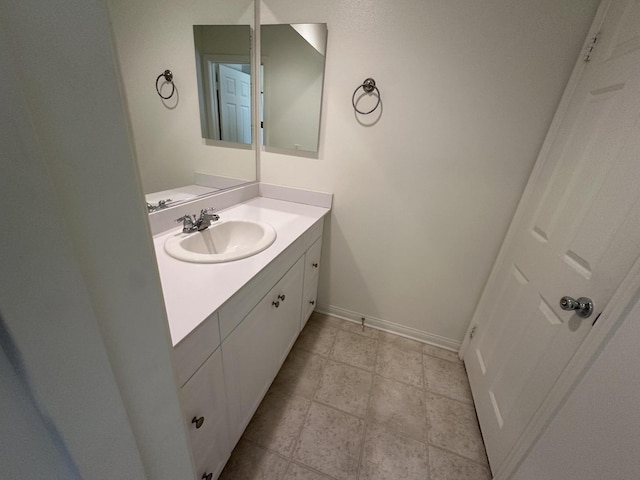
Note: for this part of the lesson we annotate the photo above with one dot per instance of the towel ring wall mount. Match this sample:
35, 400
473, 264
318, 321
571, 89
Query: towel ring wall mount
168, 77
368, 86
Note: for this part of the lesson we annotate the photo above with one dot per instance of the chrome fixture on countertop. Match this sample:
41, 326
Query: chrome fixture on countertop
191, 224
161, 204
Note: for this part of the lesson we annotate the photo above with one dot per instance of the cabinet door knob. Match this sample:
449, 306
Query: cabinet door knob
276, 303
207, 476
314, 265
312, 302
281, 297
198, 421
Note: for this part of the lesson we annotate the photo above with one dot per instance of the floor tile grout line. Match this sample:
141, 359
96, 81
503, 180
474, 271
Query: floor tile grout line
455, 362
365, 423
306, 416
424, 412
451, 451
482, 464
270, 450
396, 347
314, 470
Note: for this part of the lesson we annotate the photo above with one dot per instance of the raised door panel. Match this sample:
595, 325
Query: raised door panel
205, 412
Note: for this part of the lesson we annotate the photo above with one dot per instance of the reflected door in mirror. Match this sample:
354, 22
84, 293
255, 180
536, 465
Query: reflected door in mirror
223, 59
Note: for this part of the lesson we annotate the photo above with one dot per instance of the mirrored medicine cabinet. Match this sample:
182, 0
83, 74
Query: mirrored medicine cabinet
293, 60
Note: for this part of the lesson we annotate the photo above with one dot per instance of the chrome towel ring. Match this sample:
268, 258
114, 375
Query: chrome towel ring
368, 86
168, 77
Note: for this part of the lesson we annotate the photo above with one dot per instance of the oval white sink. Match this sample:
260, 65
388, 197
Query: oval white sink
222, 242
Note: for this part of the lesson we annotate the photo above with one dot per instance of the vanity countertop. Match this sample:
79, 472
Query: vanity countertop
194, 291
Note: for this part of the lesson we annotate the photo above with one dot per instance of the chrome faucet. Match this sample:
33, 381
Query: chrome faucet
161, 204
191, 224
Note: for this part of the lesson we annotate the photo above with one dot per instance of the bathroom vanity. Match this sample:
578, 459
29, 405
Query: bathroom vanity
232, 324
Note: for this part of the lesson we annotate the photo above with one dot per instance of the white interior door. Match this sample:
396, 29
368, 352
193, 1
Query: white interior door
235, 105
578, 235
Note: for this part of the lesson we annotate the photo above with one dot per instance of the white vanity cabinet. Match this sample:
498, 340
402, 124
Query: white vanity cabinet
255, 350
227, 363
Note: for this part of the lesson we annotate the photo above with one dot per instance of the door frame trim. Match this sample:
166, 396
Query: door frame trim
625, 296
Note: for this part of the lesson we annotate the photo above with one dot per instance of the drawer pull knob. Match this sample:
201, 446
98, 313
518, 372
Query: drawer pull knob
276, 303
312, 302
281, 297
314, 265
198, 421
207, 476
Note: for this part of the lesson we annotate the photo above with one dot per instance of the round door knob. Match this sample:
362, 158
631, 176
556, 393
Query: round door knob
198, 421
276, 303
207, 476
281, 297
582, 306
314, 265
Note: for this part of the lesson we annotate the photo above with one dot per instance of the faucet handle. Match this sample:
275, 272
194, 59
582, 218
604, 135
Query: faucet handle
207, 215
188, 223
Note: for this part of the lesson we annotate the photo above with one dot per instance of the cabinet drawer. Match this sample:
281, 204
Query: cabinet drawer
285, 319
195, 348
312, 262
203, 400
309, 301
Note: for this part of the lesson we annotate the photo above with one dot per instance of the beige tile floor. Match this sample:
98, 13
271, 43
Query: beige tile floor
362, 405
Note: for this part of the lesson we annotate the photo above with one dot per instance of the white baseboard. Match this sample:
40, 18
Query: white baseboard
387, 326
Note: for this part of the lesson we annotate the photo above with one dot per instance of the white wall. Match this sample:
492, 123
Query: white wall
152, 36
596, 434
423, 197
58, 387
79, 291
28, 448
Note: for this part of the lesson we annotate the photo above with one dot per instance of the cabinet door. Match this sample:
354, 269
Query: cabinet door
205, 409
312, 262
284, 318
309, 301
254, 351
248, 366
311, 275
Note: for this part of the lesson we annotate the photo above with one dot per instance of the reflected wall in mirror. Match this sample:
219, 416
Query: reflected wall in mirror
293, 60
174, 160
223, 61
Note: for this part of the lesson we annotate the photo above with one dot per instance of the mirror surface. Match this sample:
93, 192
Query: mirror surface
223, 61
293, 60
174, 160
